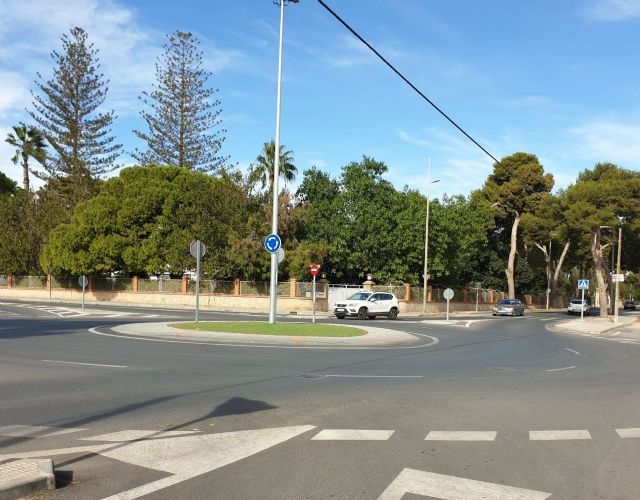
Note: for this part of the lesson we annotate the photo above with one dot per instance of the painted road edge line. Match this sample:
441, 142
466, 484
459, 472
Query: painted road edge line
83, 364
461, 436
628, 433
571, 350
559, 435
352, 435
561, 369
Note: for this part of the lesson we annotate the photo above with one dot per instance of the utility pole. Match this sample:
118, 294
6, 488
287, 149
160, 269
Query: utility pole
425, 276
615, 304
549, 274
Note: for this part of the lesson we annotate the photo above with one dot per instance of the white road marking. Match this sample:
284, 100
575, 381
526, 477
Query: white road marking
191, 456
366, 376
571, 350
547, 319
629, 433
558, 435
133, 435
35, 430
464, 323
562, 369
434, 485
616, 333
83, 364
352, 435
461, 436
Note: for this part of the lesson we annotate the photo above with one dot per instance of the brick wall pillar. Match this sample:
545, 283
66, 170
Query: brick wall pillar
90, 284
293, 287
236, 287
10, 281
407, 292
429, 294
465, 295
491, 297
183, 287
135, 284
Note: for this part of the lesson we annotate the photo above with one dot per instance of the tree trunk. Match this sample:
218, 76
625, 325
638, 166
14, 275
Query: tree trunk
556, 273
25, 174
599, 264
512, 257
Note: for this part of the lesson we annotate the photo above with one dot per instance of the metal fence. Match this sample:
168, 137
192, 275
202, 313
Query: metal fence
263, 288
160, 285
69, 283
4, 281
212, 287
30, 281
397, 290
113, 284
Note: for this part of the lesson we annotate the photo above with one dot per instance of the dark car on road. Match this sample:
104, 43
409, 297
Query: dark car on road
630, 305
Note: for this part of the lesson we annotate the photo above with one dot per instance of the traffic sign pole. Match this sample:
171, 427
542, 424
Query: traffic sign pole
582, 307
84, 286
313, 315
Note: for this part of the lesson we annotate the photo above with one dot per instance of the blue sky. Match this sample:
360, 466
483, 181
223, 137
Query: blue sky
557, 79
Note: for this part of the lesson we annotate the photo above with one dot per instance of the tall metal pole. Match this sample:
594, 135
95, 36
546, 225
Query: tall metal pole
426, 243
198, 256
613, 252
549, 275
276, 173
615, 303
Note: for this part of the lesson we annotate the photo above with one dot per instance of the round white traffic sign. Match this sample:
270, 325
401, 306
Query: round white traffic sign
83, 281
448, 294
193, 248
280, 254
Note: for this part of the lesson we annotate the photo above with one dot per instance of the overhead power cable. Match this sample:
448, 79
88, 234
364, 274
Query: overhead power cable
382, 58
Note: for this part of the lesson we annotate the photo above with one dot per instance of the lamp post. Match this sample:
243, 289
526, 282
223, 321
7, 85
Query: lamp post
273, 292
618, 271
425, 276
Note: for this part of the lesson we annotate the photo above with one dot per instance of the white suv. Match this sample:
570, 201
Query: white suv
577, 305
368, 305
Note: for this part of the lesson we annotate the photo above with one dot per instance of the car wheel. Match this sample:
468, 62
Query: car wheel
340, 317
362, 313
393, 313
493, 314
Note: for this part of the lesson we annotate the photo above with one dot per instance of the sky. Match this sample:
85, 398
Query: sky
560, 80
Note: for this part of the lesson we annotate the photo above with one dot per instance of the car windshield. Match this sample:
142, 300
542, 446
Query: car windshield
507, 302
576, 301
360, 296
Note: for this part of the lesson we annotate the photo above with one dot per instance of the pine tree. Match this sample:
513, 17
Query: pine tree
183, 116
66, 111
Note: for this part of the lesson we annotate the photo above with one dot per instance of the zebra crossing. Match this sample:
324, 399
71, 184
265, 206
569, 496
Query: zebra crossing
73, 312
329, 434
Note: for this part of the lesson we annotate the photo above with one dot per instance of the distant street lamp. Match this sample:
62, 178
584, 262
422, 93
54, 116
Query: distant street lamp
273, 293
425, 276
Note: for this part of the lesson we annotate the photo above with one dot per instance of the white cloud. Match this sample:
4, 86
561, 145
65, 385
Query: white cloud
614, 10
604, 140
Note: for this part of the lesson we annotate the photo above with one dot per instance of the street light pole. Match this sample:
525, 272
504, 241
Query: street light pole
549, 274
273, 292
425, 276
615, 303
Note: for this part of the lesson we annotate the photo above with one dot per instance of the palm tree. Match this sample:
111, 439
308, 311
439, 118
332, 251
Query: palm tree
29, 143
262, 170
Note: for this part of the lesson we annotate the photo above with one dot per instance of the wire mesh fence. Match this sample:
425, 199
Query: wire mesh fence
212, 287
30, 281
113, 284
160, 285
397, 290
4, 281
263, 288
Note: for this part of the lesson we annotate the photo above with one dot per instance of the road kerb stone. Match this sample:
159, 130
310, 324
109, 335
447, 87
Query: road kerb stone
20, 478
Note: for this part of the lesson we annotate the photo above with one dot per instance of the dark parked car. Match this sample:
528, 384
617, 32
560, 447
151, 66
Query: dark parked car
630, 304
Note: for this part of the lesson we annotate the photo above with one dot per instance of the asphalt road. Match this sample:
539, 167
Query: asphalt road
501, 408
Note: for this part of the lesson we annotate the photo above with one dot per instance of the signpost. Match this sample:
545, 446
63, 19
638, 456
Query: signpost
314, 269
83, 282
272, 243
448, 295
582, 285
478, 288
197, 249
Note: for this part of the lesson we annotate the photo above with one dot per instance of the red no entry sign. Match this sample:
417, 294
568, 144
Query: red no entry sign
314, 269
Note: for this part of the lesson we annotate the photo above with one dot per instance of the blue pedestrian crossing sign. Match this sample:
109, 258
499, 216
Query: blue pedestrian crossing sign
583, 284
272, 243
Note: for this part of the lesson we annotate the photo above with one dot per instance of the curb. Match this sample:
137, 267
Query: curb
26, 477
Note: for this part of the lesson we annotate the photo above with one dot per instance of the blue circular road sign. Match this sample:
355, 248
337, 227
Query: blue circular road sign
272, 243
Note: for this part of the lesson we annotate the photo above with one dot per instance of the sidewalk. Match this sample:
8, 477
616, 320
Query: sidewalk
597, 325
20, 478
